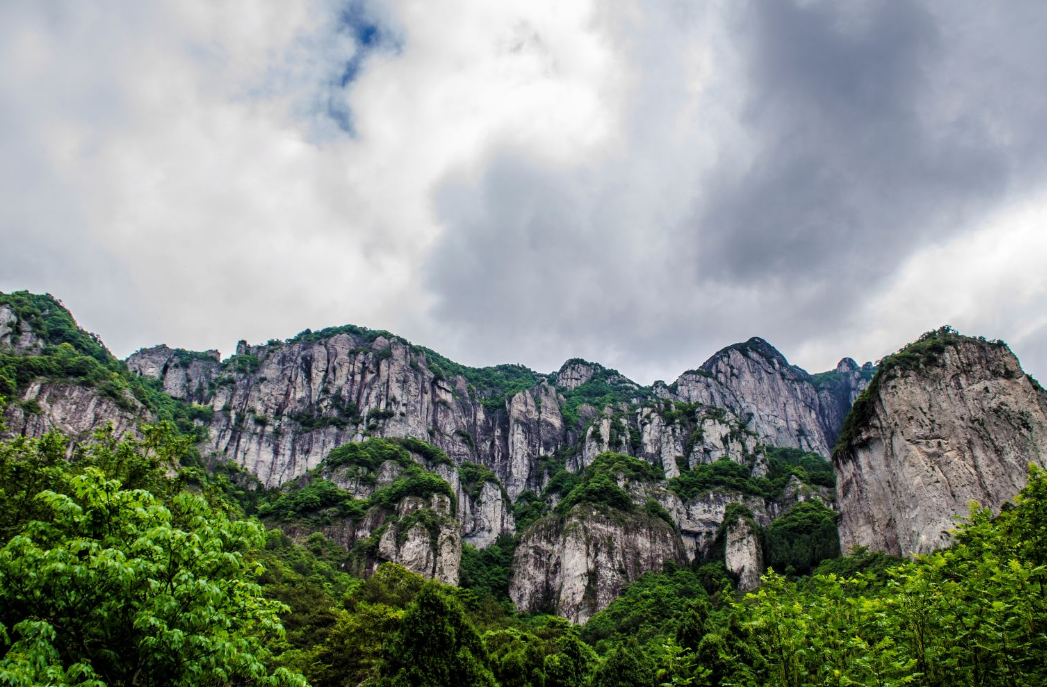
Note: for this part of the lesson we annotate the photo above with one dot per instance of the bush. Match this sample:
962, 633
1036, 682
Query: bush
802, 538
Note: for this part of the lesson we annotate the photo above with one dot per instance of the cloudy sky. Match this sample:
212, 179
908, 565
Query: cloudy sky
638, 183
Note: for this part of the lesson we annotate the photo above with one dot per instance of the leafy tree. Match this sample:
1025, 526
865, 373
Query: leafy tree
487, 571
693, 624
800, 539
625, 666
517, 658
119, 589
436, 646
573, 662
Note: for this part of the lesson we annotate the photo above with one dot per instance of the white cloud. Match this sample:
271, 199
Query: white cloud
988, 282
525, 180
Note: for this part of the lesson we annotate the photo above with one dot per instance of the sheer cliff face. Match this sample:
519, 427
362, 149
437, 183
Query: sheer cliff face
577, 565
938, 429
280, 408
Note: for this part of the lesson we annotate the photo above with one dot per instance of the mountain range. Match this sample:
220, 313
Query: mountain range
581, 479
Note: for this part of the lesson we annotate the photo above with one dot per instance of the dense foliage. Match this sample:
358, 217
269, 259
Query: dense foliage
782, 464
316, 500
598, 486
604, 388
101, 584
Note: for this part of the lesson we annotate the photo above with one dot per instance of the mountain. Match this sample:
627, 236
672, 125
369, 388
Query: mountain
946, 421
563, 487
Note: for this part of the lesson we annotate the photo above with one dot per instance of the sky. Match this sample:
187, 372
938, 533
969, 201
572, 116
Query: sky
527, 181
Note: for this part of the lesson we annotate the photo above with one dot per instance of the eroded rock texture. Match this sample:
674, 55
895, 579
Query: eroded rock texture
947, 421
576, 566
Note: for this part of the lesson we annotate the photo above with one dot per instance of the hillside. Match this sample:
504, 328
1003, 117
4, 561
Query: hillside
375, 464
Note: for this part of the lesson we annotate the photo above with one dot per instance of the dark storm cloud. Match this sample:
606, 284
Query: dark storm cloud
856, 163
861, 133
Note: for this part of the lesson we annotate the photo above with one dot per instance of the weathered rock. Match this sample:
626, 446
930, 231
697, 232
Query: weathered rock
187, 375
574, 373
577, 566
16, 335
607, 434
699, 519
661, 443
742, 553
535, 429
75, 410
430, 546
723, 437
961, 425
780, 401
487, 517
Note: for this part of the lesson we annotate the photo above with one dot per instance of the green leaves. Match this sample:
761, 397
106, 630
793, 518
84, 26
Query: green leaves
436, 646
115, 586
974, 614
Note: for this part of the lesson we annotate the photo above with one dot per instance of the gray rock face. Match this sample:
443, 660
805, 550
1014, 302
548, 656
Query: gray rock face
76, 411
574, 373
961, 428
780, 401
431, 549
17, 336
280, 408
661, 443
699, 518
484, 519
742, 554
578, 566
184, 374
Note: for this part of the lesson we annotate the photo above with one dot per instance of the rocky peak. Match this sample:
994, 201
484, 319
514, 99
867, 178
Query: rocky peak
574, 373
847, 365
753, 348
947, 420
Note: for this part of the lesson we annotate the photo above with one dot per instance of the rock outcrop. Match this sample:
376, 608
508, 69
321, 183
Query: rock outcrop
75, 410
743, 554
424, 539
280, 408
16, 335
576, 566
948, 420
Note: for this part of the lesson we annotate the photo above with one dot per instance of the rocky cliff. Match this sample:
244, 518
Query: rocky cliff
280, 407
577, 565
311, 416
947, 420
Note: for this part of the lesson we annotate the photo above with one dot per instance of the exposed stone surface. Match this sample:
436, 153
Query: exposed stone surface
961, 428
699, 518
661, 443
780, 401
432, 551
184, 374
16, 335
280, 408
484, 519
577, 566
742, 553
74, 410
574, 373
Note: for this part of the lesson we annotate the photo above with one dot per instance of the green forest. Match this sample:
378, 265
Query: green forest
128, 564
